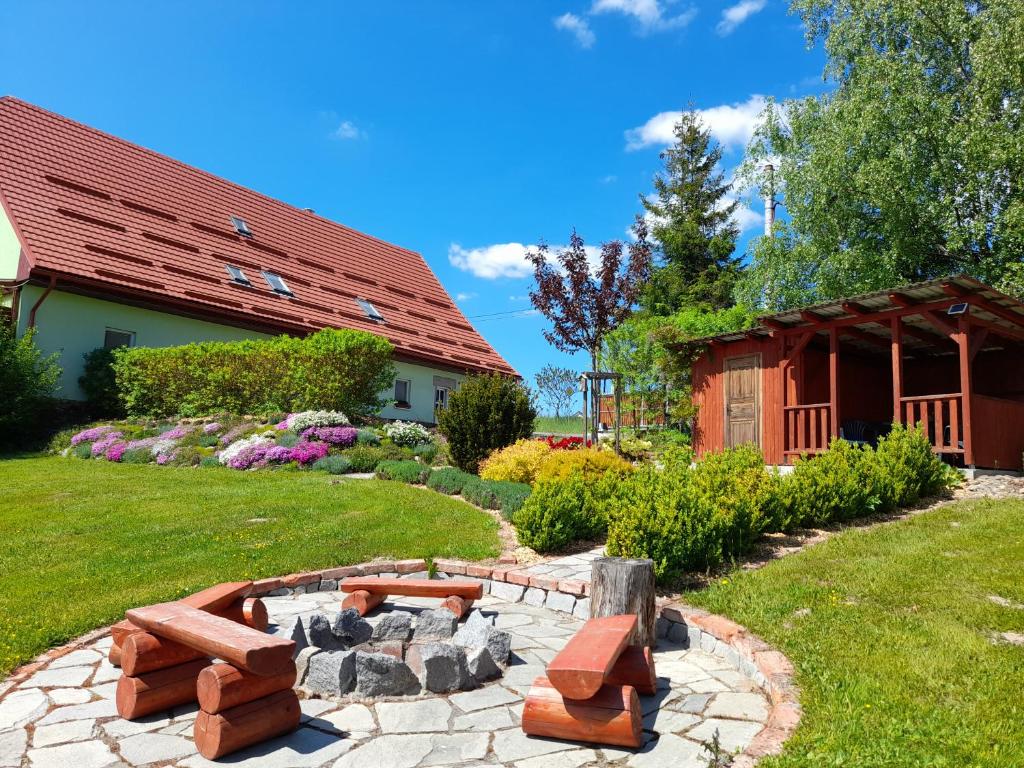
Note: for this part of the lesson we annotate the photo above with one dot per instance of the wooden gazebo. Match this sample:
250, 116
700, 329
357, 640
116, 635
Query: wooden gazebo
947, 353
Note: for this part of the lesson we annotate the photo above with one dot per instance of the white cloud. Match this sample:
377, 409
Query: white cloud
648, 14
735, 15
347, 130
491, 262
578, 27
731, 124
611, 178
519, 298
462, 296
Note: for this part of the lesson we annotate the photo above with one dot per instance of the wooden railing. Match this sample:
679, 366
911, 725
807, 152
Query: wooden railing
808, 428
941, 416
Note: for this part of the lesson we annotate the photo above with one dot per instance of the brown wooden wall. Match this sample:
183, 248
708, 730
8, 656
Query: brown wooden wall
709, 396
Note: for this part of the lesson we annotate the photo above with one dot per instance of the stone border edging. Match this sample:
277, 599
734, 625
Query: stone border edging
678, 622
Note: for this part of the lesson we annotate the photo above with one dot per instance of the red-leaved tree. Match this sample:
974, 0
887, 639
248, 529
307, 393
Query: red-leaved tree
583, 302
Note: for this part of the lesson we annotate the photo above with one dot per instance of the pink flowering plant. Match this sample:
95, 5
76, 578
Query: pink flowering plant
90, 435
116, 451
99, 448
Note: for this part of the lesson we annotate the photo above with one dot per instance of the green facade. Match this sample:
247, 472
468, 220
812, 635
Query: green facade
73, 325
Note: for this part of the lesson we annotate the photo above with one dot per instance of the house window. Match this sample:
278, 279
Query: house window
240, 226
277, 283
370, 310
115, 338
402, 390
441, 398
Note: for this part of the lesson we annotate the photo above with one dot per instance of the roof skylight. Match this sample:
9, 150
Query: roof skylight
240, 226
237, 275
277, 283
370, 310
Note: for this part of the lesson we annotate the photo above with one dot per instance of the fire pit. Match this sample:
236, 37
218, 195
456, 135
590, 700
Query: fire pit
396, 652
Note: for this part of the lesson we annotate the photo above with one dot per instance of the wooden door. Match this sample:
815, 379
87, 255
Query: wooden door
743, 400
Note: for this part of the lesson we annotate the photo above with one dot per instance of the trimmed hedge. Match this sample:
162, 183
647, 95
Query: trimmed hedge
448, 480
496, 494
332, 369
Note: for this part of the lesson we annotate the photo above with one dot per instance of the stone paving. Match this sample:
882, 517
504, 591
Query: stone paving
570, 567
64, 714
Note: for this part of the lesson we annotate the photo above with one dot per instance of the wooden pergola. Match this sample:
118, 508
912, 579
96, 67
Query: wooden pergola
927, 343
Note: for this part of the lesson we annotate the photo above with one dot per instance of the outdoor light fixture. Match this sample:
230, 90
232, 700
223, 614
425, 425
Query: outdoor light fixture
958, 309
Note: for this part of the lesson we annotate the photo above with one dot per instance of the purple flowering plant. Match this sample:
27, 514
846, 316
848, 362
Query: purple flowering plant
116, 451
99, 448
89, 435
343, 437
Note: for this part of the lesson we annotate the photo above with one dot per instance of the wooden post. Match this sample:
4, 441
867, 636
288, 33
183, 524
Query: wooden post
583, 389
619, 586
963, 340
833, 379
618, 414
897, 368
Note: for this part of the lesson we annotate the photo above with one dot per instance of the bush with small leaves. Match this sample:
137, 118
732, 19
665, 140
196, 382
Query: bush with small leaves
449, 480
488, 412
518, 463
365, 458
367, 437
334, 465
137, 456
591, 462
209, 461
559, 512
403, 471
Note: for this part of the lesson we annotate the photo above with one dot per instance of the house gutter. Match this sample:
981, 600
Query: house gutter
35, 307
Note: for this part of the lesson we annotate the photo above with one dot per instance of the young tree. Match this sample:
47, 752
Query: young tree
28, 378
584, 303
556, 386
910, 167
692, 223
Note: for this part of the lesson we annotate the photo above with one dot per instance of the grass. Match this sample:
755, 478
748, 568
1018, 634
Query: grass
562, 425
890, 629
84, 540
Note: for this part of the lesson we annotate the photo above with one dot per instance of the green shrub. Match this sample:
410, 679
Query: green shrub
27, 382
404, 471
488, 412
838, 484
288, 438
365, 458
449, 480
425, 451
562, 511
334, 465
187, 456
209, 461
745, 496
518, 463
333, 369
503, 495
82, 451
208, 441
907, 469
137, 456
367, 437
99, 384
511, 497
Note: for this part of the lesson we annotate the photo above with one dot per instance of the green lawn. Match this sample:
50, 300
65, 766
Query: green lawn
890, 632
84, 540
563, 425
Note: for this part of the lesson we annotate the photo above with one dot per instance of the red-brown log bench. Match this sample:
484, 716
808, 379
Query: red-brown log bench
590, 691
166, 653
365, 594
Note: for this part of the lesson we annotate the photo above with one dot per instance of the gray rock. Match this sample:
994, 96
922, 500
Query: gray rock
378, 674
476, 617
440, 667
510, 593
435, 625
677, 633
481, 666
331, 673
313, 587
320, 634
559, 601
661, 627
497, 641
297, 632
394, 626
328, 585
535, 597
351, 628
302, 662
582, 609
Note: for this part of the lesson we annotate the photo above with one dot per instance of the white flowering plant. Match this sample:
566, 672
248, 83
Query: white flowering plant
406, 433
226, 456
305, 419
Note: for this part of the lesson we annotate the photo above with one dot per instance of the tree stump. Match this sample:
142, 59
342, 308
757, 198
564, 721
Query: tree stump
619, 586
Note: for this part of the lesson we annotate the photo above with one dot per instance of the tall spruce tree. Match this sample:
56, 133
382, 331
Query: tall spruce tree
692, 224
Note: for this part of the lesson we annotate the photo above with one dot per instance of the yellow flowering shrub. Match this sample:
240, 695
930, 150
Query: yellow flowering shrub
592, 462
517, 463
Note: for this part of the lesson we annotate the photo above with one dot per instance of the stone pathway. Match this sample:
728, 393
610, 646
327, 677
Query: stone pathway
568, 567
64, 715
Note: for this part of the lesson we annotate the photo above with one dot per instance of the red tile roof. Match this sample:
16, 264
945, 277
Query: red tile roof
100, 213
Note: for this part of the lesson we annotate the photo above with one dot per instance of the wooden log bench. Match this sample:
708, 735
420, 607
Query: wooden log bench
591, 689
167, 654
366, 593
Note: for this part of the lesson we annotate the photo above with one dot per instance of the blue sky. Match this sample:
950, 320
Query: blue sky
462, 130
